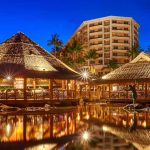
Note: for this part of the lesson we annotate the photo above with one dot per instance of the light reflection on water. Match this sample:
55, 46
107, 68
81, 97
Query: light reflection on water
110, 128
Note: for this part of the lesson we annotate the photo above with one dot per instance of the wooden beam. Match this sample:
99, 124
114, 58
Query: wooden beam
24, 127
80, 91
127, 91
146, 90
89, 92
75, 88
25, 88
67, 82
51, 88
51, 126
34, 83
109, 90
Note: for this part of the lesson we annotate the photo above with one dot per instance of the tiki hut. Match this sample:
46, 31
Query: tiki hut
115, 85
28, 72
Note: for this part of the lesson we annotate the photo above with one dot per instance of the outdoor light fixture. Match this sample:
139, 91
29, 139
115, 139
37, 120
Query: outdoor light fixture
85, 135
104, 77
85, 74
78, 117
105, 128
87, 116
114, 88
144, 124
8, 77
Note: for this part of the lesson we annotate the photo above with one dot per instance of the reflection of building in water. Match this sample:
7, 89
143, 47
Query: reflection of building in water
114, 116
108, 141
37, 127
101, 140
114, 122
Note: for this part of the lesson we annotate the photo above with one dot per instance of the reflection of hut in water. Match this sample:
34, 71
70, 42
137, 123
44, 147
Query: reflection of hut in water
28, 72
115, 85
140, 138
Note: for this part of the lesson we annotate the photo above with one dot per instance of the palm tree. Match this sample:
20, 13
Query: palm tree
56, 43
80, 60
148, 50
112, 64
90, 56
70, 62
75, 48
133, 52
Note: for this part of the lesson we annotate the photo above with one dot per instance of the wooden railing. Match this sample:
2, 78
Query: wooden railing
58, 94
125, 94
38, 94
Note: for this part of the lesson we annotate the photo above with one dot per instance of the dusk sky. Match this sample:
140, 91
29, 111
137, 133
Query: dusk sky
39, 19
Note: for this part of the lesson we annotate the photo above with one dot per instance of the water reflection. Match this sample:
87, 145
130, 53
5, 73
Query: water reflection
109, 127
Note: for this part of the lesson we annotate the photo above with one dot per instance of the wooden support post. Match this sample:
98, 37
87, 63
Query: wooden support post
6, 95
109, 90
51, 88
75, 89
63, 85
15, 94
118, 91
80, 91
51, 126
67, 82
25, 88
89, 92
34, 83
102, 89
85, 89
67, 124
24, 127
146, 90
127, 91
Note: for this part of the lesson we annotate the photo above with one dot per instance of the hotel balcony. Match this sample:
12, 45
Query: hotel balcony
120, 24
96, 39
120, 50
120, 31
120, 37
95, 26
120, 56
95, 32
119, 43
96, 44
106, 31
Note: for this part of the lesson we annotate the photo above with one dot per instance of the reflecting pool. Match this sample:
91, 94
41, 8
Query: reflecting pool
85, 127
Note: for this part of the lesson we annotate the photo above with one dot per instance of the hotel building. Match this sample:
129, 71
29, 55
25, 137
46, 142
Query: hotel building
112, 37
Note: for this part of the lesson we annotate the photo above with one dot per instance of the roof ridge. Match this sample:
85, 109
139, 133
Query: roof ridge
19, 37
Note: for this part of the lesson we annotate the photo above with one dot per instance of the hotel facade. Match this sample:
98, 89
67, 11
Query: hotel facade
112, 37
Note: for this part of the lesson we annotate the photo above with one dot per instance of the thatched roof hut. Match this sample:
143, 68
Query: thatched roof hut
136, 70
21, 57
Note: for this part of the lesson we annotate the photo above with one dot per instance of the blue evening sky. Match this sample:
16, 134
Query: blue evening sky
39, 19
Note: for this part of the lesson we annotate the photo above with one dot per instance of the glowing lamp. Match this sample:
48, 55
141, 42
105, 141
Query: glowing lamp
85, 75
105, 128
8, 77
85, 136
104, 77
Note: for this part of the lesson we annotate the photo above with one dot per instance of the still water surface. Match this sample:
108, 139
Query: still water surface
108, 128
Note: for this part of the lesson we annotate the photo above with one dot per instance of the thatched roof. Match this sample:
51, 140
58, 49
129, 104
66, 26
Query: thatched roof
20, 56
137, 70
